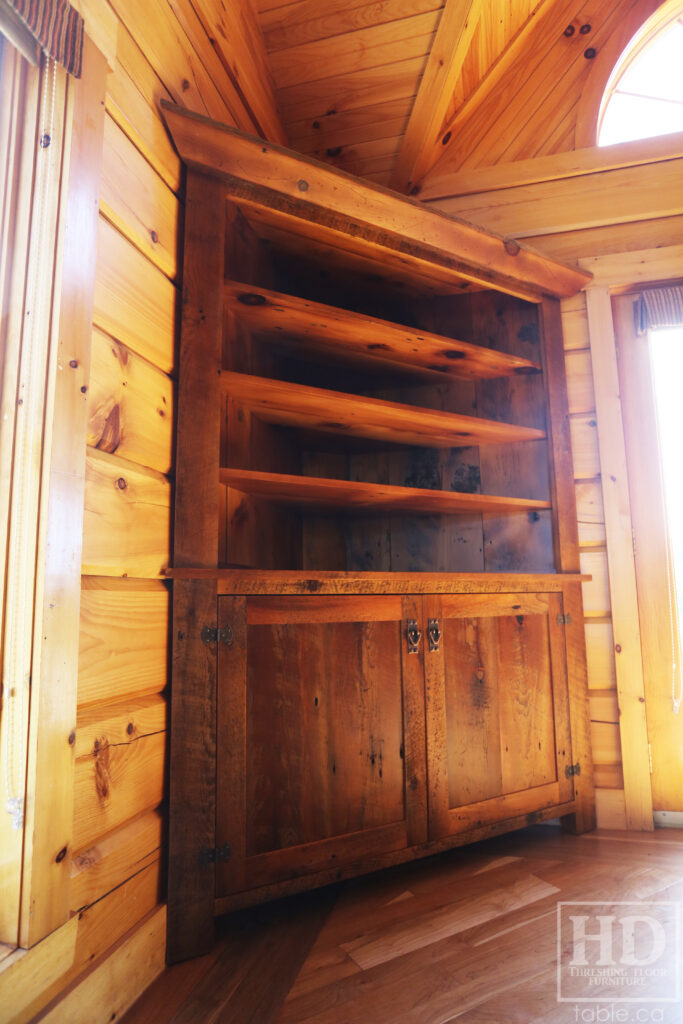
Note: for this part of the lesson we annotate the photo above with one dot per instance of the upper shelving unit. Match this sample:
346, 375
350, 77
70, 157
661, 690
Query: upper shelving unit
340, 213
366, 340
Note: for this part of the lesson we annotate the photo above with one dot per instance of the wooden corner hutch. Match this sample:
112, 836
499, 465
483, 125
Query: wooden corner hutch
378, 647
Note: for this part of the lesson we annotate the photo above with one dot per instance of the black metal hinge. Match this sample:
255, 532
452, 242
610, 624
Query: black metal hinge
564, 620
573, 769
213, 635
212, 855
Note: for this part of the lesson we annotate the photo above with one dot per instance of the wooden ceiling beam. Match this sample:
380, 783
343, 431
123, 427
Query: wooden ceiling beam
422, 141
381, 222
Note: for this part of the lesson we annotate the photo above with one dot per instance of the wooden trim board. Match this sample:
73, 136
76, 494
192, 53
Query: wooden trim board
345, 204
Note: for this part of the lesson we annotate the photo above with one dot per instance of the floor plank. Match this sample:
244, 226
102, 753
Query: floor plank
468, 936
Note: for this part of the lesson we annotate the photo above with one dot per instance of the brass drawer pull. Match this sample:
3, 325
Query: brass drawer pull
434, 634
413, 636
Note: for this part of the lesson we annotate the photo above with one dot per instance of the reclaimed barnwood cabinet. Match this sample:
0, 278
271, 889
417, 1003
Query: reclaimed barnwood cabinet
378, 646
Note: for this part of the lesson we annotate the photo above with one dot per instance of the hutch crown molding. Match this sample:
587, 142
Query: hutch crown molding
378, 647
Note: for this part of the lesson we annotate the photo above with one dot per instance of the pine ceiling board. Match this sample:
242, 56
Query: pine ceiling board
377, 155
320, 19
377, 164
553, 15
354, 51
347, 127
380, 178
349, 92
422, 140
490, 42
331, 144
267, 5
525, 105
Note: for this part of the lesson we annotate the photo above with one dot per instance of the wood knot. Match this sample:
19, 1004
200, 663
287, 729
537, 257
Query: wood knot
512, 247
302, 185
73, 363
72, 737
446, 139
121, 483
61, 855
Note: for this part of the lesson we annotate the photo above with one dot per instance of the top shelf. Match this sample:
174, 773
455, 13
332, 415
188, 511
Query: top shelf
367, 340
324, 204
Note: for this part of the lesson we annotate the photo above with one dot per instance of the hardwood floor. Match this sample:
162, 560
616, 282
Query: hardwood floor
470, 936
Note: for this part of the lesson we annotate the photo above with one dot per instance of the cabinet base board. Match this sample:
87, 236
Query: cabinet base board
236, 901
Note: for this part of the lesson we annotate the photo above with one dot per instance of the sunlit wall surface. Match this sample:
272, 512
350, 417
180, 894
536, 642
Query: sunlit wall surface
666, 348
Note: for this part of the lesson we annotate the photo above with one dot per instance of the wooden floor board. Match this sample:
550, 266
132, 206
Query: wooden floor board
467, 936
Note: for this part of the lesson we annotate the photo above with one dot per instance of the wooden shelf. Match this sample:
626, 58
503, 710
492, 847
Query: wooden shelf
296, 405
354, 496
367, 339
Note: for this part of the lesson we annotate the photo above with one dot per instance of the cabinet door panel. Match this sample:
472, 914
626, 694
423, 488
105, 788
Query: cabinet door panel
497, 733
328, 758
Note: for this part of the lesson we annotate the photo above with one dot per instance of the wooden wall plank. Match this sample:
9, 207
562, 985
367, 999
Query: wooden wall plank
584, 434
611, 808
611, 239
130, 406
116, 783
138, 201
118, 724
48, 825
158, 30
580, 381
126, 528
123, 640
596, 593
32, 980
590, 514
622, 577
533, 171
134, 301
134, 91
600, 655
642, 266
107, 990
618, 196
99, 869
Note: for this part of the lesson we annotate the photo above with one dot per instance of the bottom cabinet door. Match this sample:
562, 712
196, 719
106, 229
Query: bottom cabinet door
498, 741
321, 752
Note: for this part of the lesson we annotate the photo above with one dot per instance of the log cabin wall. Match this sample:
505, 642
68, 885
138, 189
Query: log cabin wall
617, 212
154, 50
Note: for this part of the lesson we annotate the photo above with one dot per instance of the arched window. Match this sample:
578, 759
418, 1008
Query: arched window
644, 95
